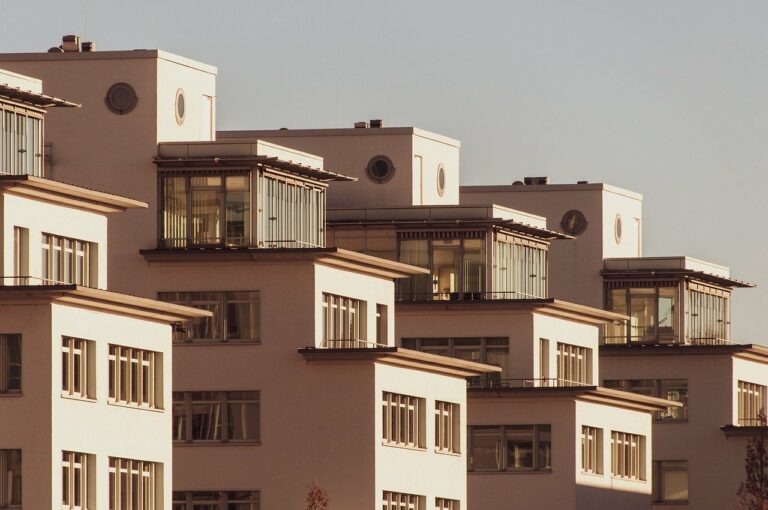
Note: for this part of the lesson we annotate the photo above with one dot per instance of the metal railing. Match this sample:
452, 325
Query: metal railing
405, 297
752, 422
32, 280
622, 340
350, 343
538, 382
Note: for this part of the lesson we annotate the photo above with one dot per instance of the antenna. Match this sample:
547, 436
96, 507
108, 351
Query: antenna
85, 20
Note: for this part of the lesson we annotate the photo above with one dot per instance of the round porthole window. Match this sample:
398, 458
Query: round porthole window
181, 107
440, 180
121, 98
617, 229
380, 169
574, 223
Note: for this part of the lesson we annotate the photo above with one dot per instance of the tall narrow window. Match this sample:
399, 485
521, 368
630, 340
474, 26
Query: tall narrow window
134, 485
751, 399
78, 368
591, 450
627, 456
344, 322
382, 336
135, 377
236, 316
223, 416
447, 427
75, 476
21, 256
10, 481
544, 361
403, 420
10, 364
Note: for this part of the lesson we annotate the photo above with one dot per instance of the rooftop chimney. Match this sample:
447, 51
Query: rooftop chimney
87, 46
376, 123
536, 180
70, 43
361, 125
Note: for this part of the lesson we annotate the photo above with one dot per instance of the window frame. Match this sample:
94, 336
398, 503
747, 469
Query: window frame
66, 260
72, 462
403, 430
574, 365
628, 456
8, 491
658, 481
447, 427
9, 363
657, 387
80, 352
592, 456
127, 364
751, 402
147, 474
502, 454
345, 321
402, 501
183, 421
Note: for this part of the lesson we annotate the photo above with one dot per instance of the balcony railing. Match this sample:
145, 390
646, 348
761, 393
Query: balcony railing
540, 382
406, 297
752, 422
32, 280
350, 343
230, 243
622, 340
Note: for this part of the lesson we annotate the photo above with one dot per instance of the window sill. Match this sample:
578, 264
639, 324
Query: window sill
630, 480
670, 503
449, 454
404, 447
78, 398
134, 406
215, 443
596, 475
656, 422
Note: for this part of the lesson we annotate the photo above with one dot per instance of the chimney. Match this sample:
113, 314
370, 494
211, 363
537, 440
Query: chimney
536, 180
376, 123
70, 43
87, 47
361, 125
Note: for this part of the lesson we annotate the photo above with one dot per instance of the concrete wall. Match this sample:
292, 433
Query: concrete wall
20, 81
41, 217
715, 461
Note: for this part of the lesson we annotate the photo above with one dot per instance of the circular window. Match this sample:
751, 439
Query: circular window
180, 107
573, 222
440, 180
617, 229
121, 98
380, 169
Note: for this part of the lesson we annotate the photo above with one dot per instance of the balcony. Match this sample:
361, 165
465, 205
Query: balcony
411, 297
491, 382
351, 343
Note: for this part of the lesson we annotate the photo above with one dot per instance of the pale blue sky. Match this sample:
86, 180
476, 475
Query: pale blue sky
667, 98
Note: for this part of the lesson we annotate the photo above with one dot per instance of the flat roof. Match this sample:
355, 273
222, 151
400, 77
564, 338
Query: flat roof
67, 194
102, 300
594, 394
320, 132
36, 99
109, 55
336, 257
405, 358
533, 188
439, 216
752, 352
547, 306
670, 267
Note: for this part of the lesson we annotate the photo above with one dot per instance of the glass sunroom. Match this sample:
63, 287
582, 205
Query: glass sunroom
668, 305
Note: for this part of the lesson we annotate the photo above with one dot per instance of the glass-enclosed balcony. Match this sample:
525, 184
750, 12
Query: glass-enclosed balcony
672, 302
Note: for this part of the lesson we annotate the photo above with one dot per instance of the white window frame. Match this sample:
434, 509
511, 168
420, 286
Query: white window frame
398, 410
751, 402
83, 353
68, 261
628, 456
123, 474
591, 450
344, 321
402, 501
574, 364
72, 462
141, 371
7, 483
447, 504
447, 427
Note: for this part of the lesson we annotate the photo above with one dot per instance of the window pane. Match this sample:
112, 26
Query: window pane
243, 416
486, 449
519, 447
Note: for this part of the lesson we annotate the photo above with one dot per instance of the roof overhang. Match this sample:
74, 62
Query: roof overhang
400, 357
335, 257
102, 300
661, 274
240, 161
549, 306
752, 352
30, 98
67, 194
592, 394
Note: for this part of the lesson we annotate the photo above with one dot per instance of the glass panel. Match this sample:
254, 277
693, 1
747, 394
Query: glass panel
206, 214
473, 266
668, 315
238, 210
174, 212
642, 315
243, 416
206, 418
617, 302
677, 390
445, 266
544, 436
486, 449
519, 447
416, 253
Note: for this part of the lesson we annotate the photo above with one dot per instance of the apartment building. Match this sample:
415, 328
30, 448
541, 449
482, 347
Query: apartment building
295, 377
675, 345
85, 374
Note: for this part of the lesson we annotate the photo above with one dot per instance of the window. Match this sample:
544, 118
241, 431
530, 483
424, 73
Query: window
670, 481
68, 260
520, 268
707, 317
222, 416
235, 316
344, 321
653, 313
10, 478
205, 209
456, 260
10, 364
21, 140
447, 427
447, 504
291, 212
403, 420
134, 485
591, 450
574, 364
75, 475
510, 448
627, 456
492, 351
135, 377
751, 404
401, 501
21, 255
382, 318
216, 500
78, 368
670, 389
